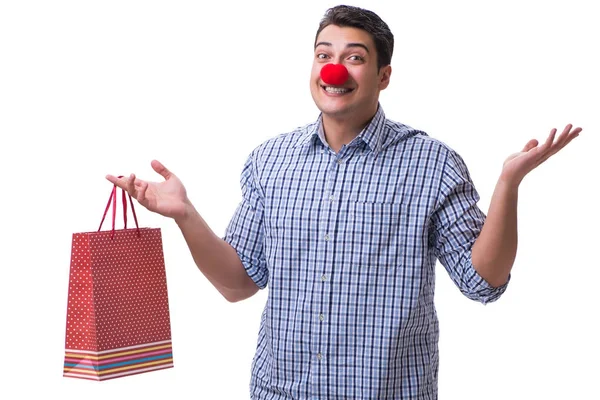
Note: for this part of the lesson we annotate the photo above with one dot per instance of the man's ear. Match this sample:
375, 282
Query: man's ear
384, 76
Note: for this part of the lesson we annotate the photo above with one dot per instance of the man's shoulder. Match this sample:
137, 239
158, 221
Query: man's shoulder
285, 142
427, 150
402, 134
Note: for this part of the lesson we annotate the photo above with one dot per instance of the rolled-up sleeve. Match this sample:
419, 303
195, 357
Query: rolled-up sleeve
245, 230
457, 222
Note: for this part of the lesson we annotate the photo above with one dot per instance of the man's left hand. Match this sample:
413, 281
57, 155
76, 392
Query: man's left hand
517, 165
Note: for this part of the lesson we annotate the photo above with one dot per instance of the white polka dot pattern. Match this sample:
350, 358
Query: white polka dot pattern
117, 290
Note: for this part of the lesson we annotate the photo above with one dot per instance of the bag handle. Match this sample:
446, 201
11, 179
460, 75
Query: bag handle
113, 199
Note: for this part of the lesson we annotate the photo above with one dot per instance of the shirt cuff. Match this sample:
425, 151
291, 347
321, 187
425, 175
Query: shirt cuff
258, 273
480, 290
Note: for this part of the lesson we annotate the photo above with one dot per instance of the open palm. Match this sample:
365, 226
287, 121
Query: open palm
517, 165
168, 198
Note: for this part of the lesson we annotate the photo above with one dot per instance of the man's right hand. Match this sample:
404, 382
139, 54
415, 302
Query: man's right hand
168, 198
217, 260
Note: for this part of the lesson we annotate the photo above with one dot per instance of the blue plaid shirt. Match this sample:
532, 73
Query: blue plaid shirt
347, 243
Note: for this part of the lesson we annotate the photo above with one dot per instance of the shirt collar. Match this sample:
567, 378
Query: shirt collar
372, 134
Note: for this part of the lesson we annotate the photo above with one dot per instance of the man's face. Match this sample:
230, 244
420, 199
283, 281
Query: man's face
355, 49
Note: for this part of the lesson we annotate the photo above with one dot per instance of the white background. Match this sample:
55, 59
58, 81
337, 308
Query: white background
91, 88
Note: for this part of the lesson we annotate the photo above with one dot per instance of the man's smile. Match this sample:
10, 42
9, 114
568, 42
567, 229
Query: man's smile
336, 90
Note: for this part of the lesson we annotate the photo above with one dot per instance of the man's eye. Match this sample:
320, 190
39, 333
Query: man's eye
356, 58
321, 56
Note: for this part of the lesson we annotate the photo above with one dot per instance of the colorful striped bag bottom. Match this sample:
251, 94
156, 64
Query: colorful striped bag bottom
115, 363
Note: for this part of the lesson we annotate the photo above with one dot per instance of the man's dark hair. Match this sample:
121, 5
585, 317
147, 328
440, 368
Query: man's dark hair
355, 17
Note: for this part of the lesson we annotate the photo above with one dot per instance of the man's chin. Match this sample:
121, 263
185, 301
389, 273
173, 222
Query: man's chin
336, 112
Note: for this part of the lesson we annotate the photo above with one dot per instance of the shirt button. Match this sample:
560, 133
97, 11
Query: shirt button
326, 237
331, 198
324, 278
319, 356
340, 161
321, 317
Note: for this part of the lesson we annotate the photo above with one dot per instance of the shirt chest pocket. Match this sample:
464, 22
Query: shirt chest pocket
374, 235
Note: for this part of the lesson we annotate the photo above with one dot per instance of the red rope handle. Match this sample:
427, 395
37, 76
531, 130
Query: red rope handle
113, 199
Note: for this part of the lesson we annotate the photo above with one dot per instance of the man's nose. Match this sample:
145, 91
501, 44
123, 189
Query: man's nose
334, 74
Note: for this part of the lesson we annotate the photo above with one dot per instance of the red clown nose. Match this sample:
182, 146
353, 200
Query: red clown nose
334, 74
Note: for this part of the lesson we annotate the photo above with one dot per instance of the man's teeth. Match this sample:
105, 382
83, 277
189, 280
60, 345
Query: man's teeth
330, 89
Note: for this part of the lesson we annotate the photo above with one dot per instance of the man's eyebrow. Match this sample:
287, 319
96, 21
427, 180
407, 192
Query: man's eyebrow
347, 46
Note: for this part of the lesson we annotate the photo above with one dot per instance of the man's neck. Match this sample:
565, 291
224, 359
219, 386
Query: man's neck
339, 132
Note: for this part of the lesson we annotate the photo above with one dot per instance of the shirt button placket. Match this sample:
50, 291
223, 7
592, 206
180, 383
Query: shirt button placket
330, 206
321, 298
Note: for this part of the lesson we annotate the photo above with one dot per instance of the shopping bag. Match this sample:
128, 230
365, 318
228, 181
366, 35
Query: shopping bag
118, 321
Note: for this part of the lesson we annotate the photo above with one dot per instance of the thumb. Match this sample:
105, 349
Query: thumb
530, 145
161, 169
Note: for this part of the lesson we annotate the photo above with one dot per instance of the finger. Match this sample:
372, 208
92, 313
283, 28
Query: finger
161, 169
131, 186
571, 137
565, 141
548, 143
560, 142
112, 179
530, 145
574, 133
142, 192
120, 182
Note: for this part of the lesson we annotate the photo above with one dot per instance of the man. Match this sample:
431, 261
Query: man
344, 220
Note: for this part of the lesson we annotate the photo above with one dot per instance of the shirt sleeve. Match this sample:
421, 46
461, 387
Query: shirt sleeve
457, 223
245, 230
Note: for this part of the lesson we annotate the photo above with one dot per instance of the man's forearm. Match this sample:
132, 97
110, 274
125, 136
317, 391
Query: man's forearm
495, 249
215, 258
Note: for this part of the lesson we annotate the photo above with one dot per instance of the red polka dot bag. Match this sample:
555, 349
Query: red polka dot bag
118, 321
